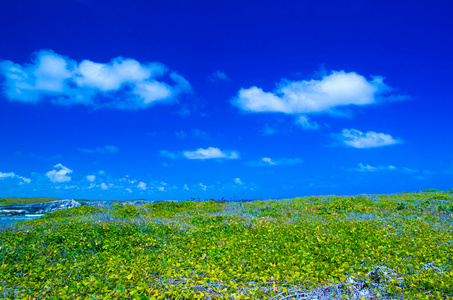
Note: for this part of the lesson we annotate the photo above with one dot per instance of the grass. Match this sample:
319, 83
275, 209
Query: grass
327, 247
23, 200
35, 200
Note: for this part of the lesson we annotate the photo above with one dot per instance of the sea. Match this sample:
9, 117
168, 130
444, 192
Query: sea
6, 221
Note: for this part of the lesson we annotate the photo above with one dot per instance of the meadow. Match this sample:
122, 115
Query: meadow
22, 200
396, 246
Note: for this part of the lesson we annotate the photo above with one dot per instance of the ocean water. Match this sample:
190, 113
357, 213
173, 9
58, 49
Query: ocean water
5, 221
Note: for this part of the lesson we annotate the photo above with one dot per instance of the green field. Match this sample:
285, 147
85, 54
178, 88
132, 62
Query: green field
36, 200
326, 247
23, 200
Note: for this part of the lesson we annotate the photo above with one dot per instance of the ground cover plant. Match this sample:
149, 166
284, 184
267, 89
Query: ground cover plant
327, 247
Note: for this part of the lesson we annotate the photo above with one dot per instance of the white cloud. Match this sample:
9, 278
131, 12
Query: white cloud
59, 174
186, 187
160, 188
202, 186
267, 130
408, 170
100, 150
267, 161
211, 152
199, 133
104, 186
111, 76
168, 154
218, 76
357, 139
91, 178
141, 186
196, 133
339, 88
13, 175
181, 134
306, 123
128, 190
367, 168
237, 180
122, 83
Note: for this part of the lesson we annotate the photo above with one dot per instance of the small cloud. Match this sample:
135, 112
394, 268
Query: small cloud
168, 154
91, 178
185, 110
181, 134
267, 130
128, 190
367, 168
357, 139
196, 133
104, 186
429, 172
408, 170
59, 174
237, 180
160, 188
141, 186
218, 76
211, 153
14, 176
100, 150
186, 187
306, 123
202, 186
267, 161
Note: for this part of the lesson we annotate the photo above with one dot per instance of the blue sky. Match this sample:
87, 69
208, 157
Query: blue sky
247, 99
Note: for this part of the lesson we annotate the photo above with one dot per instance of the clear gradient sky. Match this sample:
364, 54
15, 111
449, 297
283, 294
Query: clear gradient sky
248, 99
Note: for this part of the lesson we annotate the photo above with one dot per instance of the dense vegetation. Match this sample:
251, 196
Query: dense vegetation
330, 247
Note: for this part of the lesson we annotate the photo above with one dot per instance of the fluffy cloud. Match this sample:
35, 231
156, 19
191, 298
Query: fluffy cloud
168, 154
218, 76
91, 178
100, 150
357, 139
368, 168
237, 180
104, 186
122, 83
306, 123
141, 186
267, 161
196, 133
267, 130
211, 152
59, 174
14, 176
337, 89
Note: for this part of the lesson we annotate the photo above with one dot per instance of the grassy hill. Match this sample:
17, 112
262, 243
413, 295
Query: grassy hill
34, 200
23, 200
323, 247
